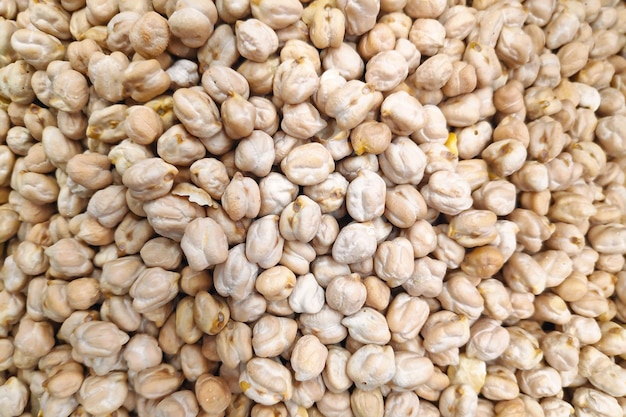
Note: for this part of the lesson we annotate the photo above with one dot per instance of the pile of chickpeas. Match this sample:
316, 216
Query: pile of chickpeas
337, 208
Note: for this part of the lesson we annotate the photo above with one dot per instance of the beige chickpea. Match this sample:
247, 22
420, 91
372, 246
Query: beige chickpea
485, 60
266, 382
69, 258
255, 40
150, 178
523, 351
58, 148
473, 228
150, 34
20, 89
461, 81
404, 205
308, 358
401, 305
119, 274
330, 193
346, 294
37, 48
496, 299
365, 196
13, 277
153, 288
235, 277
197, 112
394, 161
523, 273
325, 324
118, 31
238, 116
161, 252
266, 118
327, 28
98, 338
184, 18
275, 283
379, 39
371, 366
427, 277
301, 120
220, 48
371, 137
211, 313
249, 309
350, 104
307, 295
241, 198
193, 363
180, 401
300, 220
594, 402
90, 170
535, 383
141, 352
460, 296
367, 403
234, 344
330, 80
145, 80
186, 328
219, 82
349, 167
143, 125
422, 237
334, 373
276, 193
533, 228
462, 110
183, 74
109, 88
561, 351
277, 15
585, 329
457, 400
264, 243
403, 119
19, 140
204, 243
131, 234
505, 157
440, 156
283, 144
212, 393
427, 35
360, 17
284, 85
607, 238
157, 381
307, 164
496, 196
445, 330
211, 175
447, 192
500, 384
344, 249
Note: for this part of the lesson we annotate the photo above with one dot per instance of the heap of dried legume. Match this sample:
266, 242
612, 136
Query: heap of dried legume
333, 208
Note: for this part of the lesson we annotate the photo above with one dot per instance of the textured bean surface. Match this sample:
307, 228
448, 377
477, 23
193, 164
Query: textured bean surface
312, 208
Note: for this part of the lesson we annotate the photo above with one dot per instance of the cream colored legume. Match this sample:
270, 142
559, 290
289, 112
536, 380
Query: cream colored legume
370, 207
